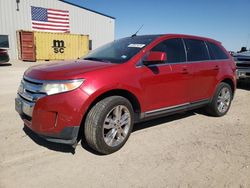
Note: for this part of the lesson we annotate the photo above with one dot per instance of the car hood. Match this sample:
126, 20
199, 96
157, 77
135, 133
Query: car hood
64, 70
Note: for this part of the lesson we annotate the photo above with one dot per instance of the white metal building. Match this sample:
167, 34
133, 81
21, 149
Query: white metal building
16, 15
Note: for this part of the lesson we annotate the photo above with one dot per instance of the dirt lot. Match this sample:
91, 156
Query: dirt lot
186, 150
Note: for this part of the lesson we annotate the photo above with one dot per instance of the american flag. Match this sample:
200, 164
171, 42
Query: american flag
51, 20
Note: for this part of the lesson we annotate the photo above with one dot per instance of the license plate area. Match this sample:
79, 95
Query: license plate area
18, 106
26, 109
23, 108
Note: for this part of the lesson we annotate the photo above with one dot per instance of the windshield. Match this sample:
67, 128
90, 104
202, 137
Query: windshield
120, 50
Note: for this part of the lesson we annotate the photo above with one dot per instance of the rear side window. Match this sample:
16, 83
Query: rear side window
4, 41
174, 49
216, 52
196, 50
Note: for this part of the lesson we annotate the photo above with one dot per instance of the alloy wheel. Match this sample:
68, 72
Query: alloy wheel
116, 125
223, 100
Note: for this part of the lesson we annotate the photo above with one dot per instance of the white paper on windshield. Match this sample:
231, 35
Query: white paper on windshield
136, 45
123, 56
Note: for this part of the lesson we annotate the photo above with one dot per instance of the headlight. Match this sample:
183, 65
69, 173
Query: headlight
61, 86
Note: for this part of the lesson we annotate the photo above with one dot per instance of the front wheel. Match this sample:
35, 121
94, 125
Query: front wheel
109, 124
221, 101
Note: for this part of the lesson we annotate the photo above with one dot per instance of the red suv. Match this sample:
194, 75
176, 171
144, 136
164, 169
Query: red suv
126, 81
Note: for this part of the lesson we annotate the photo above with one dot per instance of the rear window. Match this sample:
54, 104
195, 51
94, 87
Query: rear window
4, 41
196, 50
216, 52
174, 49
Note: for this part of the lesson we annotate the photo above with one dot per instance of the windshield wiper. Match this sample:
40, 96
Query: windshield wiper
96, 59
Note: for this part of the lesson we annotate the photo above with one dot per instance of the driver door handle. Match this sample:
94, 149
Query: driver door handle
185, 70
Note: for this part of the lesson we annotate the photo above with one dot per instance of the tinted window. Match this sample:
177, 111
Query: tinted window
196, 50
174, 49
216, 52
4, 41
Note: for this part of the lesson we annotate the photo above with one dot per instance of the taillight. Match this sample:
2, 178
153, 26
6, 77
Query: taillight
3, 52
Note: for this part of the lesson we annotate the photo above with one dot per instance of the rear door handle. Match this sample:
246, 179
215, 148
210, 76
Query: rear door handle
216, 67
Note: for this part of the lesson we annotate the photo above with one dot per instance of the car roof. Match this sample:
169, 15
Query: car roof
180, 36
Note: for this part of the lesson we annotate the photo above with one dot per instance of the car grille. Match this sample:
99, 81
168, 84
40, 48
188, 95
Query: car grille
243, 59
246, 65
30, 91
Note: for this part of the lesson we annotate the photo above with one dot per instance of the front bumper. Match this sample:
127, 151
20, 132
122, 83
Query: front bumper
56, 118
67, 136
49, 125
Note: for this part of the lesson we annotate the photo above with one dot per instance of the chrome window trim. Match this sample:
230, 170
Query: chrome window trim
210, 58
186, 62
139, 64
185, 49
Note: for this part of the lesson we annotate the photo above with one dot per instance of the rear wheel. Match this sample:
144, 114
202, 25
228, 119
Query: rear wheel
221, 101
109, 124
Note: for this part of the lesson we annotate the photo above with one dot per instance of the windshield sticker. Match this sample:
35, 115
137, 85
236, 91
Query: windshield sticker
136, 45
123, 56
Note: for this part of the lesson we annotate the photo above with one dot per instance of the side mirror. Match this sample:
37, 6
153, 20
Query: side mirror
155, 58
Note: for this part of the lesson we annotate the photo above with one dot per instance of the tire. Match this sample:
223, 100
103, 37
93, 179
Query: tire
109, 124
221, 101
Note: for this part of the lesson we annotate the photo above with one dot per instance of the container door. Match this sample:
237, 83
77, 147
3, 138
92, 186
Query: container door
27, 46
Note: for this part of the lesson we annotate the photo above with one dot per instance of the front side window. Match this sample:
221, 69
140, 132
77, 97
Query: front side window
196, 50
216, 52
120, 50
174, 50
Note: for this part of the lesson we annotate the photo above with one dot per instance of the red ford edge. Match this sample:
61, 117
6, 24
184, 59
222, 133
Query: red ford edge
126, 81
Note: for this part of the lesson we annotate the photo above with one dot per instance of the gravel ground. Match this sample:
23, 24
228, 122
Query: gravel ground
185, 150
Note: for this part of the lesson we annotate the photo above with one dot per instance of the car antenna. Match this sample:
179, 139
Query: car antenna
137, 31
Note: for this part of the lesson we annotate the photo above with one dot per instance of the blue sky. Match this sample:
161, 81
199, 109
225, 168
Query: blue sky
225, 20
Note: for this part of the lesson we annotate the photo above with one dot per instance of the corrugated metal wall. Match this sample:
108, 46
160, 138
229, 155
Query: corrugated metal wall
99, 28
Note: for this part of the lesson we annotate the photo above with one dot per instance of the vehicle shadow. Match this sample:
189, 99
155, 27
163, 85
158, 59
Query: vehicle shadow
50, 145
157, 121
145, 125
5, 64
137, 127
244, 85
89, 149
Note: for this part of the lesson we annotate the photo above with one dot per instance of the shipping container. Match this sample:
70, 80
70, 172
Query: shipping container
60, 46
52, 46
